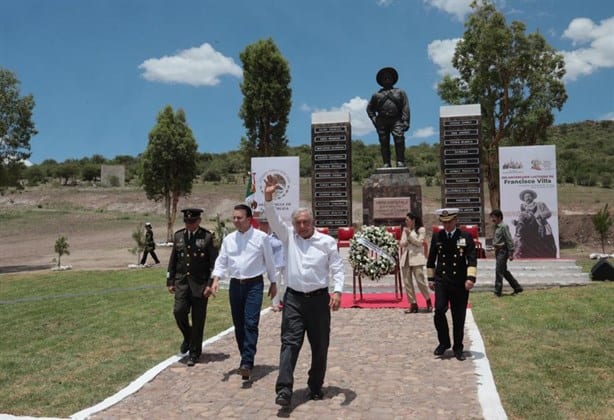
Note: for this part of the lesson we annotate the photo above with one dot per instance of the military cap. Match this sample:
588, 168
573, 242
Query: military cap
447, 214
147, 224
263, 220
191, 215
385, 73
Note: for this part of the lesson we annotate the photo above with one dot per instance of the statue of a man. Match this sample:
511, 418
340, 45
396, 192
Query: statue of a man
388, 109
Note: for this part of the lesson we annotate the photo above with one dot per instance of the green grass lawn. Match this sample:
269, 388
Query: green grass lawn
550, 350
61, 329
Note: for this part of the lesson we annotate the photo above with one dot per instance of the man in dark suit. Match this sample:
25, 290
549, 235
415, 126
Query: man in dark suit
189, 279
451, 271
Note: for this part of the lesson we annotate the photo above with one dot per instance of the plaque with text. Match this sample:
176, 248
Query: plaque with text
391, 207
331, 159
462, 183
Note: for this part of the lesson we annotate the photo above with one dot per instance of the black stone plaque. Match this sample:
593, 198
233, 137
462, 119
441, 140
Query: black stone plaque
331, 146
462, 171
462, 184
471, 161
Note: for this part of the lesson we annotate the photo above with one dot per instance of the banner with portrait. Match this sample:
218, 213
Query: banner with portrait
286, 171
529, 202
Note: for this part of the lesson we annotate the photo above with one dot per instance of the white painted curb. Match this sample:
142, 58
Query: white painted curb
487, 391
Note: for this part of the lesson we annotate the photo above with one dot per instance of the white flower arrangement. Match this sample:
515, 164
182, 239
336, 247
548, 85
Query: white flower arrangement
374, 252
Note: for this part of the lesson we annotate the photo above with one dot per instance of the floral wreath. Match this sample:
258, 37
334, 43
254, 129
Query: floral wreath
373, 252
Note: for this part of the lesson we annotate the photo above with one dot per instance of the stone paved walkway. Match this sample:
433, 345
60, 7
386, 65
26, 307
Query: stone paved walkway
380, 366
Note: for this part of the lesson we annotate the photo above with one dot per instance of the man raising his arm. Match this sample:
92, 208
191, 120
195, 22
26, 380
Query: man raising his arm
311, 256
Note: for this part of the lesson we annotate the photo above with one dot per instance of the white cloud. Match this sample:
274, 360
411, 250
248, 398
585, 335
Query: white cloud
458, 8
599, 53
384, 3
441, 52
423, 133
357, 107
609, 116
200, 66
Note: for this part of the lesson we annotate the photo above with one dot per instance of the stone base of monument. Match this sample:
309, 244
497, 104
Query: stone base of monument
388, 195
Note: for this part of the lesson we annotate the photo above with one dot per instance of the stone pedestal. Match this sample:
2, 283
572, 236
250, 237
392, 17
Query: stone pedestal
388, 195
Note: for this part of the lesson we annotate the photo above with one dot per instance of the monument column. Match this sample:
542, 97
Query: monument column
331, 183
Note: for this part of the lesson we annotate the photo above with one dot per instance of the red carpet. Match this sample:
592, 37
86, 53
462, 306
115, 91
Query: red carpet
380, 300
383, 300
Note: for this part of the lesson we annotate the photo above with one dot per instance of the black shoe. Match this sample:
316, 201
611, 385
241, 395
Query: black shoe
185, 346
497, 294
245, 371
459, 355
518, 291
441, 349
283, 398
316, 395
192, 359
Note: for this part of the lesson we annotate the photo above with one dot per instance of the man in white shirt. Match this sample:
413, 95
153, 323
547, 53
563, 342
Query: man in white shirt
245, 255
310, 257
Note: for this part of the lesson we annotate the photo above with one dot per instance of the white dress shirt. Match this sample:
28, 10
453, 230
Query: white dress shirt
245, 255
308, 261
278, 251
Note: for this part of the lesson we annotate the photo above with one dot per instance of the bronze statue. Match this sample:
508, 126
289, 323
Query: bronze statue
388, 109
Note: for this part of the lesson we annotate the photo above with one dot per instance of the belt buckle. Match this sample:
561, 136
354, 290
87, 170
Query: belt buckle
308, 294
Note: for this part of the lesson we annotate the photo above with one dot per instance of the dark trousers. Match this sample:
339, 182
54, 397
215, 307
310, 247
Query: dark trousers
385, 128
502, 272
245, 304
153, 255
185, 303
304, 314
456, 297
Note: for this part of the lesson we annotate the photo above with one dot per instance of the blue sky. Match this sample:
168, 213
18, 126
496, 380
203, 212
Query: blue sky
101, 70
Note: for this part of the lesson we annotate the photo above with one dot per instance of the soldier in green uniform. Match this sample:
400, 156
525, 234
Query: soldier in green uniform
150, 245
451, 271
189, 279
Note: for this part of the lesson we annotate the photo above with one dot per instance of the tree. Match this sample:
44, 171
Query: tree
61, 248
602, 221
138, 234
267, 99
516, 78
16, 125
169, 162
67, 172
90, 172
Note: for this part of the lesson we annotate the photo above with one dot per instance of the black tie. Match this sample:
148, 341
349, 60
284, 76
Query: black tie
449, 235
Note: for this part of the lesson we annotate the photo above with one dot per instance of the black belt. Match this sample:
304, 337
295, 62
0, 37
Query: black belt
249, 280
317, 292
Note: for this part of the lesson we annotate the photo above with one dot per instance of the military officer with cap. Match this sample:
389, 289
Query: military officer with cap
451, 271
189, 279
388, 109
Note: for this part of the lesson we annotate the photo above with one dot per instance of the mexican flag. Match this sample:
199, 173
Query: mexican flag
250, 192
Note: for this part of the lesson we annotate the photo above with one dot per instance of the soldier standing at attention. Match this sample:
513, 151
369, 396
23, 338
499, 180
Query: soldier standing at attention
451, 271
150, 245
189, 279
